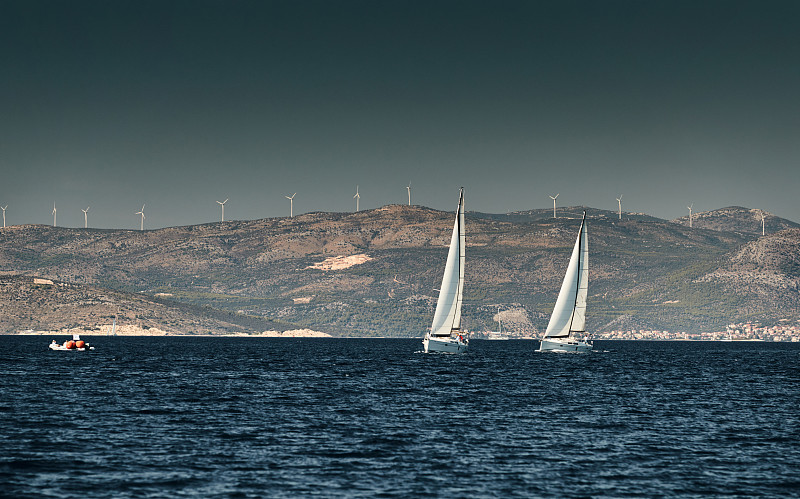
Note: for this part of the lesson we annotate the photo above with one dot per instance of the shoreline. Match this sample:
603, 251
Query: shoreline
309, 333
137, 331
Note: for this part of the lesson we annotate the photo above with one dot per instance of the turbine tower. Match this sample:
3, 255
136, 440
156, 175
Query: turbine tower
690, 214
409, 193
357, 197
222, 205
291, 204
141, 212
54, 213
554, 204
619, 201
85, 218
4, 215
760, 211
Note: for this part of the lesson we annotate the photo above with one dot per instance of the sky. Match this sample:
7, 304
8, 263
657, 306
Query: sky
179, 104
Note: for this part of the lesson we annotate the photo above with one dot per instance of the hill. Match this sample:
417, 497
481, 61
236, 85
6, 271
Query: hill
376, 272
737, 219
763, 277
44, 305
574, 212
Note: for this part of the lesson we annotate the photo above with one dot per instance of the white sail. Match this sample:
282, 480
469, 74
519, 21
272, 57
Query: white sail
569, 314
448, 308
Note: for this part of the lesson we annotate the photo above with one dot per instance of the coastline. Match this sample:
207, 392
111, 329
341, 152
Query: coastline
128, 330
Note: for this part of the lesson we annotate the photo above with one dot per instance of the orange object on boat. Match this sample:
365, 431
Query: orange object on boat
80, 344
70, 344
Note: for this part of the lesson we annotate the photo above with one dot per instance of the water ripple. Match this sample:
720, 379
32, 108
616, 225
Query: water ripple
247, 417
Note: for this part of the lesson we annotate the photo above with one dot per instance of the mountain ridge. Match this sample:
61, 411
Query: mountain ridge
644, 272
737, 219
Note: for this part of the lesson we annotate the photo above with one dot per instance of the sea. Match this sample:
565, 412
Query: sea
323, 417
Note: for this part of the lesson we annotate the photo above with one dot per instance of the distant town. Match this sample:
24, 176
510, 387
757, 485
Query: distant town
751, 331
734, 332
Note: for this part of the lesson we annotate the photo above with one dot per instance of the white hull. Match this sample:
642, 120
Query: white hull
496, 336
62, 347
567, 345
444, 345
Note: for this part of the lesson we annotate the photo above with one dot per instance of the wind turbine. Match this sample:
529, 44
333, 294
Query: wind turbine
619, 201
357, 197
409, 193
222, 205
690, 214
291, 204
85, 218
54, 213
554, 204
4, 215
760, 211
141, 212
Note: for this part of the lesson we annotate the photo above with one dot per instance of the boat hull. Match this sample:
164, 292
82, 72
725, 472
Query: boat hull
570, 345
496, 337
65, 349
445, 345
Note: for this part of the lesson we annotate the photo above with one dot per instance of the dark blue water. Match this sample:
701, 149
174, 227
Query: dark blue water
256, 417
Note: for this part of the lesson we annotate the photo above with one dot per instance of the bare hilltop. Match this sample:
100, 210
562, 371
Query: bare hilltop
376, 272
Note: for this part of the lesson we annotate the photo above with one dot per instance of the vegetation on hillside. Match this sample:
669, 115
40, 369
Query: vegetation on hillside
645, 273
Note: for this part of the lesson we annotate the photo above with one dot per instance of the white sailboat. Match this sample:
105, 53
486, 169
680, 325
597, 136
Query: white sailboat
445, 334
497, 335
569, 315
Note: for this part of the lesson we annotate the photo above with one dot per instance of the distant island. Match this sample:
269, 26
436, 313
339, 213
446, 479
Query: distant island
375, 273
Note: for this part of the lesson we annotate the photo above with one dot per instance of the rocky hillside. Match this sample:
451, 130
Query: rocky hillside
737, 219
540, 215
377, 272
29, 303
761, 277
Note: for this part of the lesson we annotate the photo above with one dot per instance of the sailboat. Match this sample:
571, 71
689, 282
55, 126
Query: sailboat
445, 334
569, 315
497, 335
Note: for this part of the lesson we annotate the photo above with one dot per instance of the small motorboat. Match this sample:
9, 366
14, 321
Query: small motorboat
76, 344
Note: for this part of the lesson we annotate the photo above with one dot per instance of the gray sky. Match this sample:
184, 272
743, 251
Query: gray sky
177, 104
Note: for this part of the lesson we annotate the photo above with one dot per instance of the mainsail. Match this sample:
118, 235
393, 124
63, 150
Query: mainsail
448, 308
569, 314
